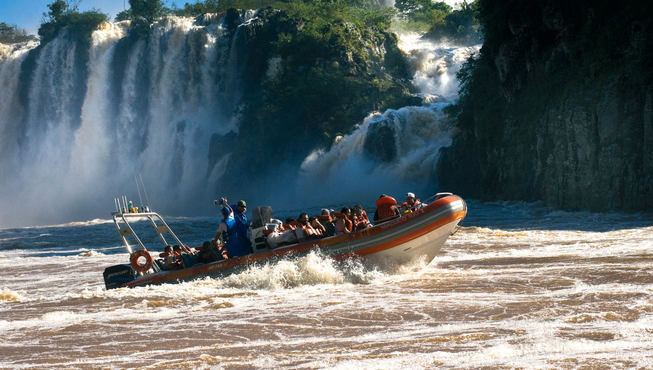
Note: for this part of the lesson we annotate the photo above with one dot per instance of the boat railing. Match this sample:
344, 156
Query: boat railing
435, 197
124, 228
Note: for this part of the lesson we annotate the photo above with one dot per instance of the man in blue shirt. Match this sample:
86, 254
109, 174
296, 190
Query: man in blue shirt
239, 212
236, 245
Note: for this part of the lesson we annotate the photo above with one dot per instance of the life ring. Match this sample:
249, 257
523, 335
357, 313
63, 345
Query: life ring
133, 260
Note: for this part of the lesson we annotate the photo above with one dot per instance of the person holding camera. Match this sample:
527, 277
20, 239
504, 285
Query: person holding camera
241, 225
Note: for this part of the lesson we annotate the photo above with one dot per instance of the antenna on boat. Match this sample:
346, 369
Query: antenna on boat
147, 198
138, 188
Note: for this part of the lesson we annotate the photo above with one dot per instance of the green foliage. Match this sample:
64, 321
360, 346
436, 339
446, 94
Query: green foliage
61, 16
329, 75
198, 8
124, 15
460, 25
12, 34
57, 10
368, 11
148, 9
422, 14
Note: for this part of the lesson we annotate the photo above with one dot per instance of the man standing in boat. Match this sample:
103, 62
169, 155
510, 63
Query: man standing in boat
236, 246
239, 212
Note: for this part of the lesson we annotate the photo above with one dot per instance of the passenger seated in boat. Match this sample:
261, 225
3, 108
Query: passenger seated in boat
343, 224
386, 208
326, 221
210, 252
317, 225
306, 227
185, 254
290, 224
283, 235
411, 203
360, 218
348, 218
171, 260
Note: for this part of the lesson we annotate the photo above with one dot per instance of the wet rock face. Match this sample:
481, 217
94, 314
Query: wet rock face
559, 109
380, 142
591, 154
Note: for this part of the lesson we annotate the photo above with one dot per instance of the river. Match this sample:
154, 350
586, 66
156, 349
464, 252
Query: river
519, 285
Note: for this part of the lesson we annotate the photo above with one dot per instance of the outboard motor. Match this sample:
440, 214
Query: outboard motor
117, 275
261, 216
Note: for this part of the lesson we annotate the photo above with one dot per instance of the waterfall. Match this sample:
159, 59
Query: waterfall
395, 151
79, 122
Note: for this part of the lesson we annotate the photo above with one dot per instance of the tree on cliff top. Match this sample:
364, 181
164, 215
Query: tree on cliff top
148, 9
62, 15
460, 25
422, 14
13, 34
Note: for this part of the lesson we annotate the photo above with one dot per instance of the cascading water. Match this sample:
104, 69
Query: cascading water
397, 150
79, 122
88, 124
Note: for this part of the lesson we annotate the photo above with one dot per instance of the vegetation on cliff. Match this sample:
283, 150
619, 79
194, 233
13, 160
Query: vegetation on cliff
440, 21
13, 34
557, 107
62, 16
315, 71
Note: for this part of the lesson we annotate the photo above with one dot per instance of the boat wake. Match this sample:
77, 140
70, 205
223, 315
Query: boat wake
312, 269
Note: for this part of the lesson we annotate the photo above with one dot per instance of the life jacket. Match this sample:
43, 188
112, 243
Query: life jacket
408, 207
350, 225
385, 207
309, 230
341, 226
326, 218
362, 221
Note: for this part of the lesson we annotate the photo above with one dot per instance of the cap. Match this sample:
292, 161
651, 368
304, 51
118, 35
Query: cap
242, 203
410, 195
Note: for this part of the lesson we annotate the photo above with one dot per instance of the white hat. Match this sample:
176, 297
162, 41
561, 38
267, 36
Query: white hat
410, 195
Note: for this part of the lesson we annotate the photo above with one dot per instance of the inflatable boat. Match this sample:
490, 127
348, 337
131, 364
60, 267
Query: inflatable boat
405, 237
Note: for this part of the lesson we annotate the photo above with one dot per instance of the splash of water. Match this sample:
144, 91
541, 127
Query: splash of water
8, 295
312, 269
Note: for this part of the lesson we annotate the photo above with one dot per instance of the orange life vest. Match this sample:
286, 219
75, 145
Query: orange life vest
385, 207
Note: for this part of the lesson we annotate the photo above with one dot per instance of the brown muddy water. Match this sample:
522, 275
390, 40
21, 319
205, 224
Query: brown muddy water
517, 286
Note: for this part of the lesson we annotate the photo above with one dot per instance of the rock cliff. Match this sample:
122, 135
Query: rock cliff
558, 107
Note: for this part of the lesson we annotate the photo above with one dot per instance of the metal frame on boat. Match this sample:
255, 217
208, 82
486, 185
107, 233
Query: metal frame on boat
420, 233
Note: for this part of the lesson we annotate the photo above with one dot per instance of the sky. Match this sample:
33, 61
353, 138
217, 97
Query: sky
28, 14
